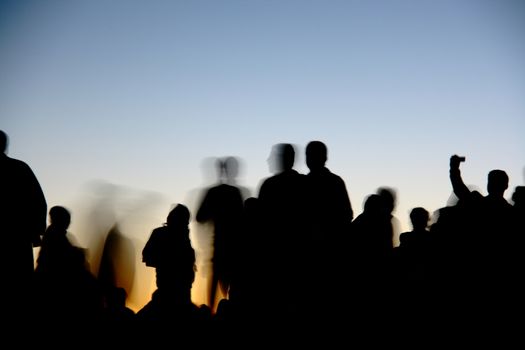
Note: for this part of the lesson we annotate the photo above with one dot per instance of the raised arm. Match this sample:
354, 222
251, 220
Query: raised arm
459, 187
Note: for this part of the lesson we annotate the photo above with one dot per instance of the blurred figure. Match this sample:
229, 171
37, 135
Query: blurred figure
23, 211
389, 199
117, 264
518, 197
222, 207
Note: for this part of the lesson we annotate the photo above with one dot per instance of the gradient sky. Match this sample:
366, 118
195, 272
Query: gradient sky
137, 95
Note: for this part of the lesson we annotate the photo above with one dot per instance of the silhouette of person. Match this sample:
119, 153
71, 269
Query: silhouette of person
249, 284
494, 210
489, 227
415, 247
418, 237
389, 199
328, 218
66, 289
222, 206
518, 197
169, 251
281, 198
370, 249
23, 211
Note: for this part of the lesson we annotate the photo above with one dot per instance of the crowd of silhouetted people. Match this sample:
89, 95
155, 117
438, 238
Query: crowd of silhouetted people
294, 255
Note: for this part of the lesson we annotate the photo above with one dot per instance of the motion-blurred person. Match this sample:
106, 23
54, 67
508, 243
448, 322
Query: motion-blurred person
222, 207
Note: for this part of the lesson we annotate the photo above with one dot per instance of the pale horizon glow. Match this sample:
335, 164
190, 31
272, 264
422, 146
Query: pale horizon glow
137, 95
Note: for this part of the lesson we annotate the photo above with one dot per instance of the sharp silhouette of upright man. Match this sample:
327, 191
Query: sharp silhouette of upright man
328, 218
23, 213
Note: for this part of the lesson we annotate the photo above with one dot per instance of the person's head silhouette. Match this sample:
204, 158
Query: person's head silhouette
316, 155
498, 182
59, 217
419, 217
389, 197
518, 197
231, 168
3, 141
179, 216
282, 157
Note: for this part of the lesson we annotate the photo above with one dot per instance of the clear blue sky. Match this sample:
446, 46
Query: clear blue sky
139, 93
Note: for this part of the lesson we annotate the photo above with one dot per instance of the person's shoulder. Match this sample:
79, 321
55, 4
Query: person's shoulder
14, 162
159, 231
335, 178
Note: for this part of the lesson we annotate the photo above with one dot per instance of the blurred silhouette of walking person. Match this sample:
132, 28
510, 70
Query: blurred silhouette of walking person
328, 218
222, 207
23, 211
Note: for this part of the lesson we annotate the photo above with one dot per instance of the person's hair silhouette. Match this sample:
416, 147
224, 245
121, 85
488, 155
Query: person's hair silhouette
316, 155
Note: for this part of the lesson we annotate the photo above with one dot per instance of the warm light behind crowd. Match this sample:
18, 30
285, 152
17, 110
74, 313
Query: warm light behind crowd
117, 106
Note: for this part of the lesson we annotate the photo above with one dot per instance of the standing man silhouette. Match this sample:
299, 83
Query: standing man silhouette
23, 213
281, 199
328, 218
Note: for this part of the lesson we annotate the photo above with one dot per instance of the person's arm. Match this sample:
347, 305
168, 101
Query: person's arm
458, 186
36, 206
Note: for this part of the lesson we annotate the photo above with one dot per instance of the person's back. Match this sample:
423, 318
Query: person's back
23, 211
169, 251
281, 198
417, 239
415, 248
330, 212
65, 287
490, 229
328, 216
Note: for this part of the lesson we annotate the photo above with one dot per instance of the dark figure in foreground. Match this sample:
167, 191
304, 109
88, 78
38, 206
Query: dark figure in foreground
328, 217
65, 288
490, 255
282, 204
23, 211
